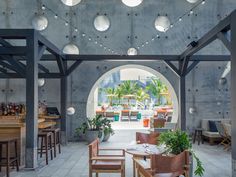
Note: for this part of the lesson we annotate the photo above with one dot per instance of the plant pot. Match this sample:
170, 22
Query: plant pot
101, 136
106, 137
91, 135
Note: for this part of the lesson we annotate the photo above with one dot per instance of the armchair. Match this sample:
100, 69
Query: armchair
105, 163
164, 166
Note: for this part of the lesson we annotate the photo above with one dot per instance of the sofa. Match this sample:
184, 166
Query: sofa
212, 137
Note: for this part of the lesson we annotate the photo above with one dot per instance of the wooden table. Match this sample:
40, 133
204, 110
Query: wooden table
144, 151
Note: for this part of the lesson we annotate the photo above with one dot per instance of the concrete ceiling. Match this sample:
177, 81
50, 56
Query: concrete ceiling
130, 27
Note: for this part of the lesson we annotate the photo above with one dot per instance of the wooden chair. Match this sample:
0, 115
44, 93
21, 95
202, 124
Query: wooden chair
141, 138
110, 115
105, 163
149, 138
164, 166
226, 139
159, 122
133, 115
125, 115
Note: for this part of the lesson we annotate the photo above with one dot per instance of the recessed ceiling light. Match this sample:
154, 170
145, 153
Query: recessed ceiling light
40, 22
132, 3
101, 23
162, 23
70, 2
71, 49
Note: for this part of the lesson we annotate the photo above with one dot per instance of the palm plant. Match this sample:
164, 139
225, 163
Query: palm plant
111, 93
156, 87
141, 95
128, 89
119, 93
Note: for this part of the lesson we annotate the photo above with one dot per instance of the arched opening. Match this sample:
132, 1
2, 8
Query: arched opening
92, 100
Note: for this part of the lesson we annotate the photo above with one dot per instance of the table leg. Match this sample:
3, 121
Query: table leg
8, 159
194, 136
134, 168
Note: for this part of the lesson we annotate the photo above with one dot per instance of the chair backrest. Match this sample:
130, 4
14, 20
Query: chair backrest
109, 114
125, 113
133, 113
220, 129
149, 138
159, 122
177, 164
102, 113
93, 149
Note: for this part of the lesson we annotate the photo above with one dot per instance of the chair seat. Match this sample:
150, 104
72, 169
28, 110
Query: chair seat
165, 175
106, 165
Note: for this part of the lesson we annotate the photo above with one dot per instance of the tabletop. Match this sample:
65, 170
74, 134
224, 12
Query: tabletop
144, 149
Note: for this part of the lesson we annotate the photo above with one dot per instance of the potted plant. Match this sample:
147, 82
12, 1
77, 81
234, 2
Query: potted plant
178, 141
92, 128
108, 131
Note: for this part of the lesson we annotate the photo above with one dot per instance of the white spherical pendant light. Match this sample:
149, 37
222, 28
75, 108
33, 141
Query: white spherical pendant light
70, 2
71, 49
41, 82
70, 111
162, 23
132, 3
132, 51
192, 1
40, 22
101, 23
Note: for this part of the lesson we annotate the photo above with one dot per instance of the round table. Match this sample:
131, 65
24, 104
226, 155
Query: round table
142, 151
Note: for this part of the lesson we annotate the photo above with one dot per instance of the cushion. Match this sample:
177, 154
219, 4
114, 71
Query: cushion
212, 126
211, 134
205, 124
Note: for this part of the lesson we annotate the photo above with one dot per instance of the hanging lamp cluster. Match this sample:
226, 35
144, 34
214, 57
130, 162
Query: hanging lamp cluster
102, 23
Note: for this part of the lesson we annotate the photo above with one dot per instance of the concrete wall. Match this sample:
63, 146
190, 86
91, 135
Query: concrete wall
130, 27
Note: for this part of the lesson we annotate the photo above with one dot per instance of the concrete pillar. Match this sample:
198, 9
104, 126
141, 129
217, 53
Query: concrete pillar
31, 101
233, 91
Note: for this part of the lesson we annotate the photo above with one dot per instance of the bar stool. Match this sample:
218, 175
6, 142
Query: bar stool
56, 133
45, 144
7, 160
198, 135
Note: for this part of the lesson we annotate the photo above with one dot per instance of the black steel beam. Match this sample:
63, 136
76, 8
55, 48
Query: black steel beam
15, 33
40, 75
172, 67
222, 36
12, 68
192, 65
17, 51
41, 49
43, 68
31, 102
184, 65
233, 92
2, 70
223, 25
61, 65
73, 67
49, 57
64, 122
182, 102
50, 47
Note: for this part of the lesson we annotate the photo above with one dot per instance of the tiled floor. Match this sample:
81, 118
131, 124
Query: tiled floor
73, 162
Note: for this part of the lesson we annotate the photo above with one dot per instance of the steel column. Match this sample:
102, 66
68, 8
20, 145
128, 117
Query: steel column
63, 108
182, 99
31, 102
182, 102
233, 92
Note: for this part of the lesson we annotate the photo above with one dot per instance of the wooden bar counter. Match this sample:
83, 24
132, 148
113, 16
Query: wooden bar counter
11, 126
